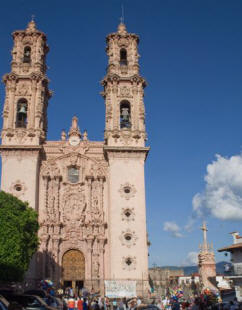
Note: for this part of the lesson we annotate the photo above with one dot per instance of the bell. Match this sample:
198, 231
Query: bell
125, 114
23, 110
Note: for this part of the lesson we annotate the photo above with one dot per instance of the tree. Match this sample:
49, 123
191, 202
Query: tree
18, 237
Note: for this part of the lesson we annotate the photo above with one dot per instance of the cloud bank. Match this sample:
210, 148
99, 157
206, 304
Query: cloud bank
191, 259
173, 228
222, 197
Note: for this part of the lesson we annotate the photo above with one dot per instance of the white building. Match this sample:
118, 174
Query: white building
235, 273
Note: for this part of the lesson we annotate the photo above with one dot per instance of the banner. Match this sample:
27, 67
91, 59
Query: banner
118, 289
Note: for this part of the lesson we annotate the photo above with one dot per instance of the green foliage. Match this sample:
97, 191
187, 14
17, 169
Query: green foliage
18, 237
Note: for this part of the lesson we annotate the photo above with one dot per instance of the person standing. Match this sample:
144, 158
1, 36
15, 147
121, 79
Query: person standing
79, 304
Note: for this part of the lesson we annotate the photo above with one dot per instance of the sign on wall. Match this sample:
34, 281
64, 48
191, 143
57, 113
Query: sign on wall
118, 289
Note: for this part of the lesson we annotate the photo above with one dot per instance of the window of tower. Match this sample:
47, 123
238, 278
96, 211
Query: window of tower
123, 57
27, 54
73, 174
125, 116
22, 108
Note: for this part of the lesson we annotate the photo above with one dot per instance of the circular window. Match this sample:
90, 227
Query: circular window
127, 213
18, 187
128, 261
127, 190
128, 237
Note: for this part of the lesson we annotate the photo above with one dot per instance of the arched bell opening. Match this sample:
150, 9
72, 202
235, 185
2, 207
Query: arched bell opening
21, 116
27, 54
123, 57
125, 114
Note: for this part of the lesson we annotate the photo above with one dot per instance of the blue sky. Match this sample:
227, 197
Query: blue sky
191, 56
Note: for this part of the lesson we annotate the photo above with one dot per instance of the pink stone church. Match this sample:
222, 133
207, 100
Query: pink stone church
90, 195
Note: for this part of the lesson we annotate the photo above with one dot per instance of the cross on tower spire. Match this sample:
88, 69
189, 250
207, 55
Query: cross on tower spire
122, 14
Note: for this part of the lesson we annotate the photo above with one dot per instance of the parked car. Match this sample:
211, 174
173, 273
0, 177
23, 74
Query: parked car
3, 303
147, 307
40, 293
29, 302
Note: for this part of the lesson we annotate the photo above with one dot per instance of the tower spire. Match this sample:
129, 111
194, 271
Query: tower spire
204, 229
206, 261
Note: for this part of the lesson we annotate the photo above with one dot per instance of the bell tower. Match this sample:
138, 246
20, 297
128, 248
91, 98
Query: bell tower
25, 114
124, 91
125, 150
27, 94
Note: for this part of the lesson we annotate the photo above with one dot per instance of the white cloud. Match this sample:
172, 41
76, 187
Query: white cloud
173, 228
222, 197
191, 259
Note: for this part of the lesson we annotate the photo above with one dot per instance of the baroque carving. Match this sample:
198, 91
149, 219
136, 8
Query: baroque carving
50, 169
73, 206
23, 89
125, 91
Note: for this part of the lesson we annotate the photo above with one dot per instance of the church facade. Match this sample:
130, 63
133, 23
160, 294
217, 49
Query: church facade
89, 195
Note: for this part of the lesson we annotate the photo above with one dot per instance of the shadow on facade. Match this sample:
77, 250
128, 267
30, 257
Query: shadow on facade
43, 266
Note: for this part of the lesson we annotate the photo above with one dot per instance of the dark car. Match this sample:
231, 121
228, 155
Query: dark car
29, 302
40, 293
3, 303
147, 307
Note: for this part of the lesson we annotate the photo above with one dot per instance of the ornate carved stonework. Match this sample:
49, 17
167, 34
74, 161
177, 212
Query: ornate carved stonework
73, 205
78, 186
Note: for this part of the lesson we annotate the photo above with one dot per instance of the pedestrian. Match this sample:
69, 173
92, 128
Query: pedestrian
85, 307
71, 304
79, 304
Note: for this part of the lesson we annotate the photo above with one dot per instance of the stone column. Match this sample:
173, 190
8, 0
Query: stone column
44, 253
89, 262
89, 194
31, 121
56, 265
12, 105
101, 180
102, 265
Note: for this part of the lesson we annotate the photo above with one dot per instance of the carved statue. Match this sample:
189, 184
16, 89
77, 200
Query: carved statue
96, 266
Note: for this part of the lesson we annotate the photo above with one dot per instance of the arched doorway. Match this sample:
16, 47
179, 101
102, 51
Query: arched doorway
73, 269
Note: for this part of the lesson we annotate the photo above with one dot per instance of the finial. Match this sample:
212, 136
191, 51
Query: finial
31, 25
85, 135
32, 17
63, 135
122, 28
74, 130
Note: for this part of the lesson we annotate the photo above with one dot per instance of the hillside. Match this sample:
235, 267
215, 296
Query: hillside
194, 269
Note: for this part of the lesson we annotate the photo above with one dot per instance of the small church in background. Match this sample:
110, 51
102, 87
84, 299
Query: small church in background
90, 195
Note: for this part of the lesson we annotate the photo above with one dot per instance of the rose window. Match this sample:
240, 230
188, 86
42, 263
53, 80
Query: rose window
128, 238
127, 214
129, 263
127, 191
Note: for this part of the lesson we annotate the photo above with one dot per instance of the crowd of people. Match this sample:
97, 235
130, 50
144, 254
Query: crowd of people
165, 303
